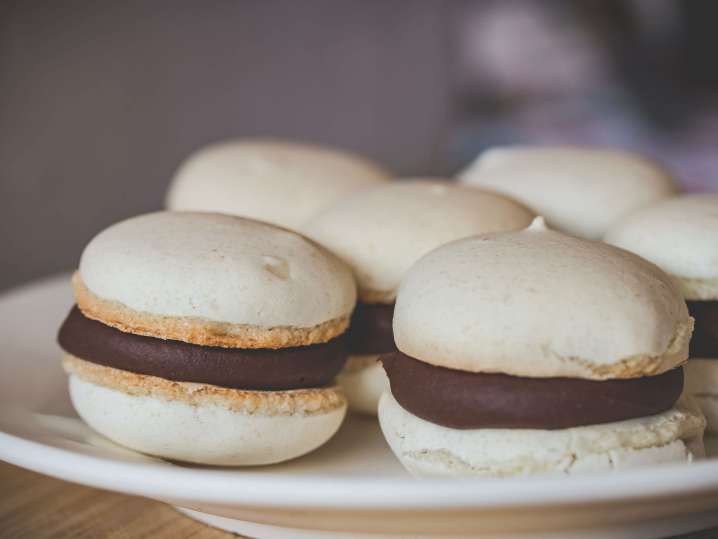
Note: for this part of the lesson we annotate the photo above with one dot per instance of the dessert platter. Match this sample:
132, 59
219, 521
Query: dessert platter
414, 359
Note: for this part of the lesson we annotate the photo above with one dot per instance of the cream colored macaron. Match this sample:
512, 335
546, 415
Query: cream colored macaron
579, 190
276, 181
380, 233
681, 236
215, 280
429, 450
534, 351
208, 338
546, 302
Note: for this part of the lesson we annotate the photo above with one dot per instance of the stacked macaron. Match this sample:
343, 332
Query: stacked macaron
208, 338
380, 233
581, 191
681, 236
533, 351
282, 183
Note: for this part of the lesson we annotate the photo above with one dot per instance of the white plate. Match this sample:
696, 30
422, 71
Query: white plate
352, 487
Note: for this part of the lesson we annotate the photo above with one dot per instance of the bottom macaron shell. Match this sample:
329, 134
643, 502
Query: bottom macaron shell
426, 449
702, 384
202, 434
363, 381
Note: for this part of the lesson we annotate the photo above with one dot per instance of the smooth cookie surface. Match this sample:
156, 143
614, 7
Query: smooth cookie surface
539, 303
216, 280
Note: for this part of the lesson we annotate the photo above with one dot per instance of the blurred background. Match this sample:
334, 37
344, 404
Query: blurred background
101, 100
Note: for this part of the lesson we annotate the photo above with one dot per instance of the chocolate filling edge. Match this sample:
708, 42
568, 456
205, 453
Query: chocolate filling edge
250, 369
370, 330
465, 400
704, 342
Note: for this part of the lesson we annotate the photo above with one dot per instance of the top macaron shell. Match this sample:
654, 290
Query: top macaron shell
681, 236
581, 191
381, 232
218, 268
539, 303
278, 182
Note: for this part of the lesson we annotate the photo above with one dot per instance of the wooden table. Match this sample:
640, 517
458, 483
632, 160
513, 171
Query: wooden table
37, 507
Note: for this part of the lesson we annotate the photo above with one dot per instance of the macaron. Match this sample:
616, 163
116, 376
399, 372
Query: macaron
681, 236
209, 339
280, 182
579, 190
533, 352
380, 233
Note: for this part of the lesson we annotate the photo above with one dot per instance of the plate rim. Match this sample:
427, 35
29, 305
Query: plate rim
251, 487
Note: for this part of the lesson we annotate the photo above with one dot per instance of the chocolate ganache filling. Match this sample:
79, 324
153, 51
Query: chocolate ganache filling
466, 400
371, 331
255, 369
704, 342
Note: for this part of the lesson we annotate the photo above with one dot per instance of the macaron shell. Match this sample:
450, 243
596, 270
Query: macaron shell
278, 182
201, 423
363, 381
217, 268
429, 450
679, 235
698, 289
207, 434
581, 191
381, 232
538, 303
702, 384
200, 331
